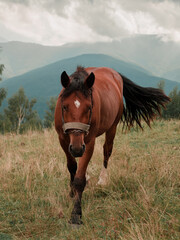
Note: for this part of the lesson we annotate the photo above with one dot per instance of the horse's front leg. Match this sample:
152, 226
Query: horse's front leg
71, 165
79, 183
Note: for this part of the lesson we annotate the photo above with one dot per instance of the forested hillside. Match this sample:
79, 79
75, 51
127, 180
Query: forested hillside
44, 82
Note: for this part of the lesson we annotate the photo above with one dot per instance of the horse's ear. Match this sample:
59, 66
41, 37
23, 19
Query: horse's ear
65, 79
90, 80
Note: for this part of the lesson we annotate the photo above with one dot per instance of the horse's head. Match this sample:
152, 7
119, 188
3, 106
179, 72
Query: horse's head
77, 103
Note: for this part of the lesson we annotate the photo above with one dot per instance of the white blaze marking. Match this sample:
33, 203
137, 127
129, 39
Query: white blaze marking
77, 103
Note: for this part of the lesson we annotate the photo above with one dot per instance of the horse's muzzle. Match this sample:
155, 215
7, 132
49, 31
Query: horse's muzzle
77, 152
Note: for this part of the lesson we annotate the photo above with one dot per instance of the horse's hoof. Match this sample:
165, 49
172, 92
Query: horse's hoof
76, 220
76, 226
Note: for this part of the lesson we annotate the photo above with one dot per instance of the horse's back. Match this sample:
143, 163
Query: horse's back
107, 79
108, 89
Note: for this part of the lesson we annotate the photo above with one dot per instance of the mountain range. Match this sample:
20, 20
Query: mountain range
155, 56
144, 59
173, 74
44, 82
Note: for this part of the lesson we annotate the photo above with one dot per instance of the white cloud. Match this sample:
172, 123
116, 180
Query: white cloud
159, 17
39, 25
56, 22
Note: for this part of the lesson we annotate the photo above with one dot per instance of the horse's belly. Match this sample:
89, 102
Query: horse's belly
108, 95
110, 113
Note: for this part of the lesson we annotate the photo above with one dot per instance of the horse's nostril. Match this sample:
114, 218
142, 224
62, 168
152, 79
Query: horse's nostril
70, 148
77, 152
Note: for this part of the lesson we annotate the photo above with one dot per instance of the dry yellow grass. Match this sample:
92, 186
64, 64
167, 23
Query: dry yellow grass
141, 200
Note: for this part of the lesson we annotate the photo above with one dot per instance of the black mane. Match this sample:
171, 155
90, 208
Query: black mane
77, 83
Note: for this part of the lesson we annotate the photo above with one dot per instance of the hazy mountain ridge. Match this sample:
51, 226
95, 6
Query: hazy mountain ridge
148, 52
44, 82
20, 57
174, 74
2, 39
32, 56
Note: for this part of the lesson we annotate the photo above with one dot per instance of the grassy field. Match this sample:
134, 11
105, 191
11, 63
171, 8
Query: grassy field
141, 200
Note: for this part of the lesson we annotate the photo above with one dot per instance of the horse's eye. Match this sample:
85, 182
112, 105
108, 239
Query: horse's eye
65, 108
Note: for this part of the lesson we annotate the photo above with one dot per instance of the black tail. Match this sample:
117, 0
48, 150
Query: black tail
141, 103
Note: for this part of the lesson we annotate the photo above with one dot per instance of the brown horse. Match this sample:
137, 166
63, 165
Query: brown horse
90, 104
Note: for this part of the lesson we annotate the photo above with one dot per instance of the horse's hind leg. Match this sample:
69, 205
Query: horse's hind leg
108, 146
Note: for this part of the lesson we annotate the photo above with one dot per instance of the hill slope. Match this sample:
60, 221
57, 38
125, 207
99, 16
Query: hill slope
148, 52
44, 82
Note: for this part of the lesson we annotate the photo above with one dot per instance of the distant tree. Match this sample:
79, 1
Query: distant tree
1, 70
49, 116
20, 113
173, 108
161, 84
5, 124
2, 90
2, 95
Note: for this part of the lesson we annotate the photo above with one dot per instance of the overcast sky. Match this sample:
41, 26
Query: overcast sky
56, 22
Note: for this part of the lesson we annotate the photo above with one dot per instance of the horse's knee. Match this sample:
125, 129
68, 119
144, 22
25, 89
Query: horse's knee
79, 184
